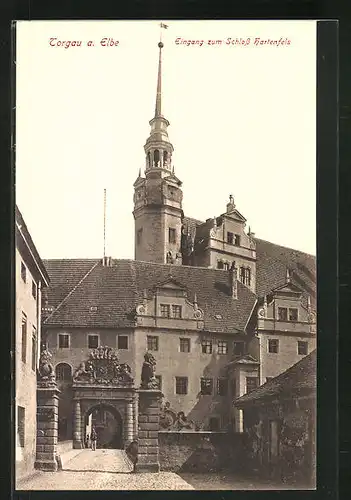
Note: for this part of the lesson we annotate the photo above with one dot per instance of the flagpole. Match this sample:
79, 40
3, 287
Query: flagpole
104, 224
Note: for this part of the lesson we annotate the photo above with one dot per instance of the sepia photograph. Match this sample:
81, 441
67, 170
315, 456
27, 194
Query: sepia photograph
165, 269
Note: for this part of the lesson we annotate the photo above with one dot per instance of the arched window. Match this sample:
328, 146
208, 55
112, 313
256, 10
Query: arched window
156, 157
149, 159
165, 158
63, 372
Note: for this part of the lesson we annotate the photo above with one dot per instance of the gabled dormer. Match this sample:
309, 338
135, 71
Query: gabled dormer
285, 310
169, 306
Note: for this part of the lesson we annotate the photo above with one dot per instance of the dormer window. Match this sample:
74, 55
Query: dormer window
176, 311
237, 240
230, 238
245, 275
165, 310
220, 264
226, 266
293, 314
282, 314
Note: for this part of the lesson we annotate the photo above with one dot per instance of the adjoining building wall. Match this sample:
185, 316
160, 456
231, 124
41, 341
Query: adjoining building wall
26, 402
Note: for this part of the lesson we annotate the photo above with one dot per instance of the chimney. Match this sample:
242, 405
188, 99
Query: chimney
233, 282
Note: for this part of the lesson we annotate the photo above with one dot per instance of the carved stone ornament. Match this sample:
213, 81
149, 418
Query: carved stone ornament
148, 379
198, 314
172, 421
46, 372
141, 309
103, 368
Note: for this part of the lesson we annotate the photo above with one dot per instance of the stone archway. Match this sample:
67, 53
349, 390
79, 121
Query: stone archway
108, 424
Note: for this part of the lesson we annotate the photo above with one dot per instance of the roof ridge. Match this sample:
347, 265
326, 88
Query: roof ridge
285, 247
72, 291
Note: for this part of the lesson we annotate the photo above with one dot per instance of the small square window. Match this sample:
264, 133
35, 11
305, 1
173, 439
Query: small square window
184, 345
93, 341
21, 412
122, 342
171, 235
222, 386
237, 240
206, 346
238, 348
165, 310
181, 385
273, 346
226, 266
152, 343
63, 341
293, 314
219, 264
230, 238
282, 314
34, 290
251, 384
177, 311
222, 347
23, 272
206, 385
159, 381
302, 348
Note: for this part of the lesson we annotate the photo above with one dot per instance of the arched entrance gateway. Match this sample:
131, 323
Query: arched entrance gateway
104, 395
108, 424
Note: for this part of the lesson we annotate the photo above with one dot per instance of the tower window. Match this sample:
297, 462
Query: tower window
156, 157
171, 235
139, 236
245, 275
230, 238
165, 158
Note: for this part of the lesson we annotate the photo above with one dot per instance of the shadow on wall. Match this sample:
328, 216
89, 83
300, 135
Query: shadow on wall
200, 451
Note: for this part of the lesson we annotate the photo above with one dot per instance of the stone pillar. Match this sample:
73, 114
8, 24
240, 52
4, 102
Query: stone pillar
148, 420
77, 426
135, 415
47, 427
129, 424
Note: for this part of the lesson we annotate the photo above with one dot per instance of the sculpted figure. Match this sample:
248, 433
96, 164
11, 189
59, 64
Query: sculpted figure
81, 372
148, 379
46, 370
182, 422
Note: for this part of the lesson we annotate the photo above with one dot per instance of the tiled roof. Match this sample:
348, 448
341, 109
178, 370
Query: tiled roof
116, 291
191, 223
24, 230
272, 263
299, 377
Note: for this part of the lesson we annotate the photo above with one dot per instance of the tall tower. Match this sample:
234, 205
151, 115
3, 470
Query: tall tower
158, 196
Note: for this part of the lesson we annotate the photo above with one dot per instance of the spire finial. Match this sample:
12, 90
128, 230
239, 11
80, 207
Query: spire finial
139, 172
159, 76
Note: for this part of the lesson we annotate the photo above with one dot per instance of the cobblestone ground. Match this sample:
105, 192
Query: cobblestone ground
216, 481
100, 470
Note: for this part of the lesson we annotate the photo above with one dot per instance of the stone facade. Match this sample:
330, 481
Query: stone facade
31, 278
148, 420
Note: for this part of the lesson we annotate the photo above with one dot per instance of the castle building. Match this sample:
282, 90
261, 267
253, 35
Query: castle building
31, 279
221, 310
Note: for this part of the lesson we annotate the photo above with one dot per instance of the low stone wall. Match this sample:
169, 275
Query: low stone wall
64, 446
199, 451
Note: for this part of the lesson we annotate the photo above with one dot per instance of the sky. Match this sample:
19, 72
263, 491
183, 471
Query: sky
242, 122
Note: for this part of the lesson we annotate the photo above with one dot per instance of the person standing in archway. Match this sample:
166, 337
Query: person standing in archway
93, 438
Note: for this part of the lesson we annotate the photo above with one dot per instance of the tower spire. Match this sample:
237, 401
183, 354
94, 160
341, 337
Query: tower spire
158, 112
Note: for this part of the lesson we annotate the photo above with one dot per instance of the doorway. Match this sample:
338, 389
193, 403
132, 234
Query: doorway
108, 425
